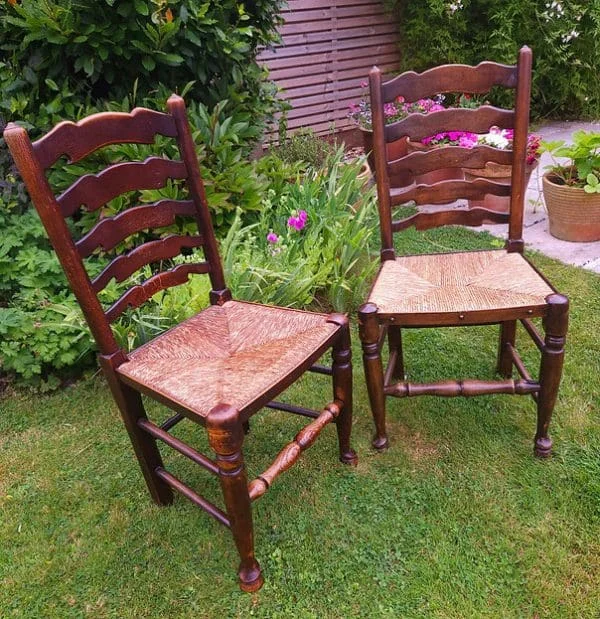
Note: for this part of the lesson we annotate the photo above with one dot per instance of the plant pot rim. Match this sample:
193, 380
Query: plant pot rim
547, 178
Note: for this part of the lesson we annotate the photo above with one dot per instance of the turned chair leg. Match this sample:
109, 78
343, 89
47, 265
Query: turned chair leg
508, 331
342, 390
132, 410
395, 344
226, 436
555, 326
369, 337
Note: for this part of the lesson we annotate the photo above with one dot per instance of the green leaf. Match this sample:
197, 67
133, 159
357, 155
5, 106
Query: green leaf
148, 63
171, 59
51, 84
141, 7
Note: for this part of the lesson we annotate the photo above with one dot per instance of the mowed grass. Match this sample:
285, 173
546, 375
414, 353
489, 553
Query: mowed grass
456, 519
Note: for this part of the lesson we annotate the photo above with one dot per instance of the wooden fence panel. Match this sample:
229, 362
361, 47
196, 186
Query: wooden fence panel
325, 54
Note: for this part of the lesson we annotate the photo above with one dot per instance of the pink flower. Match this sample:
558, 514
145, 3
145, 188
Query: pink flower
466, 141
298, 222
272, 237
436, 107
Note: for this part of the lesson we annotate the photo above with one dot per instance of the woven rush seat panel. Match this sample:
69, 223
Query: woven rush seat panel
232, 353
458, 282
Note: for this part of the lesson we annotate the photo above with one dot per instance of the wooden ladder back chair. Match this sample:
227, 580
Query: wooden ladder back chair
463, 288
217, 368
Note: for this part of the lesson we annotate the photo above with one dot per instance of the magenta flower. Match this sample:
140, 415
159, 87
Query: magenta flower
272, 237
298, 222
466, 141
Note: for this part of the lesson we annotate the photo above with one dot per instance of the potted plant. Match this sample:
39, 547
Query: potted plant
572, 188
464, 139
394, 111
502, 139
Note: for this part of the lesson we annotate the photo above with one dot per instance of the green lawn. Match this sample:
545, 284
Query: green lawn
457, 519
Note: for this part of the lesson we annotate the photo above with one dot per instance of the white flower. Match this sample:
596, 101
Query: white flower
497, 140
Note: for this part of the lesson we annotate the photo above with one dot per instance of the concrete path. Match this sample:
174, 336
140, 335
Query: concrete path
535, 232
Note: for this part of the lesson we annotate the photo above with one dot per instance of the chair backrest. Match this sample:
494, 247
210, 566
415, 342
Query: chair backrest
92, 191
416, 126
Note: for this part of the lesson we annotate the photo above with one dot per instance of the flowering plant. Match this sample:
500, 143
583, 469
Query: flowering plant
396, 110
503, 140
466, 139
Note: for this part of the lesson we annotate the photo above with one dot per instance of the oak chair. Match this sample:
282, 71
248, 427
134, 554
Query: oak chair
463, 288
217, 368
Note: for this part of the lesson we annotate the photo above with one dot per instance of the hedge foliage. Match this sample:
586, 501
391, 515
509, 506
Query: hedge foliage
61, 55
563, 36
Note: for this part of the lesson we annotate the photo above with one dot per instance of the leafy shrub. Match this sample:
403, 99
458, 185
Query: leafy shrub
563, 36
55, 53
310, 245
304, 146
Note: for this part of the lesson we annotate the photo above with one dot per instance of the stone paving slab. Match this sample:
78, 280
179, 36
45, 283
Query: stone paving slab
535, 229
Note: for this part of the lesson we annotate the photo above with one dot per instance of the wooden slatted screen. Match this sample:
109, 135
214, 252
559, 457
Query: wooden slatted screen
326, 52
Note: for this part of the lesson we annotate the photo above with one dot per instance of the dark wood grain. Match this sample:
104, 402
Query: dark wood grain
420, 162
77, 140
110, 231
465, 388
289, 455
136, 295
455, 217
153, 251
95, 190
418, 126
556, 323
450, 78
226, 437
448, 191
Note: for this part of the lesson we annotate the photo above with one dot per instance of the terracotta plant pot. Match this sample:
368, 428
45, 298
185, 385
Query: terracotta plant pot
573, 214
499, 174
395, 150
436, 176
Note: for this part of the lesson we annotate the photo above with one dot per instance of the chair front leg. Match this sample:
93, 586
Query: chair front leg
342, 387
555, 326
508, 331
226, 436
132, 410
369, 337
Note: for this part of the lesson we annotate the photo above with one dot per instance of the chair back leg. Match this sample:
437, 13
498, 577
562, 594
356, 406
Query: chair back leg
226, 436
395, 347
508, 331
132, 410
555, 326
342, 388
